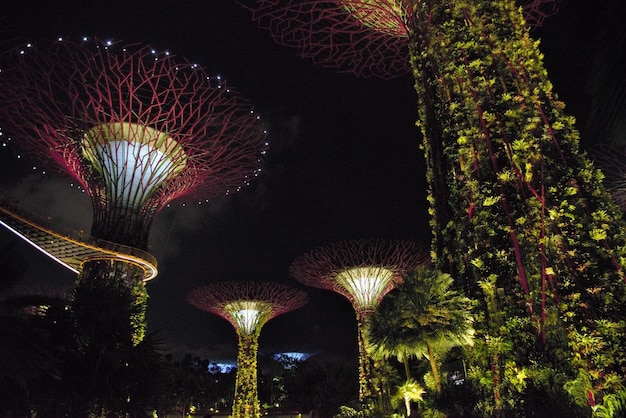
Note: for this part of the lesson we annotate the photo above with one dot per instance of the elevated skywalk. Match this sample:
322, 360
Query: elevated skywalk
68, 247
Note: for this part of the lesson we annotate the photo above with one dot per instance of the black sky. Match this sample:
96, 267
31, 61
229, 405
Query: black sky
344, 163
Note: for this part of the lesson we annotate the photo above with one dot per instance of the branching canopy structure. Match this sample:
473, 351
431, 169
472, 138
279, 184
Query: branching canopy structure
137, 128
363, 271
247, 306
369, 38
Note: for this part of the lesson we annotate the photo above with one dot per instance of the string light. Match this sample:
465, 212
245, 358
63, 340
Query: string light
214, 81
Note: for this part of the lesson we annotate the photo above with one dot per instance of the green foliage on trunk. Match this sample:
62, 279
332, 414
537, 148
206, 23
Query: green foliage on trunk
110, 302
246, 403
520, 216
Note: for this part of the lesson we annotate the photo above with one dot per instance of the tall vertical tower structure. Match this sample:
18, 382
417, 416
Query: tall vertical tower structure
363, 271
137, 129
247, 306
520, 217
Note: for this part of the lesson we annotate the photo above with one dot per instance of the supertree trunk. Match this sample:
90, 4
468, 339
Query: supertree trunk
519, 213
246, 403
110, 302
367, 388
247, 306
127, 225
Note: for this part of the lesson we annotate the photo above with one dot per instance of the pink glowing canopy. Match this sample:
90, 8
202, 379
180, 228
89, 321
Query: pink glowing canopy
247, 305
134, 126
363, 271
369, 38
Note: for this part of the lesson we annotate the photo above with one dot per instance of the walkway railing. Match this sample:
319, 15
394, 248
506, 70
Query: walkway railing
69, 247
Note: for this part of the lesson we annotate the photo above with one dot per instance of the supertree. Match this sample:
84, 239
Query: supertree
247, 306
137, 129
519, 214
363, 271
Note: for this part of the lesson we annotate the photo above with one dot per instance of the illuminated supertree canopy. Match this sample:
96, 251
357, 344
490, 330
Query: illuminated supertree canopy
370, 38
247, 306
520, 217
363, 271
136, 127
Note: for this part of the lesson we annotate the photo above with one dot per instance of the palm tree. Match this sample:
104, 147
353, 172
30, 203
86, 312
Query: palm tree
420, 317
409, 391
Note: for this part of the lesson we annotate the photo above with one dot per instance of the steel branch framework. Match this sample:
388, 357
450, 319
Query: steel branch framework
136, 128
230, 299
537, 11
363, 271
247, 306
369, 38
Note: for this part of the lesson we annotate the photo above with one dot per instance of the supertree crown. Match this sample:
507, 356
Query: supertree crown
137, 128
537, 11
247, 305
363, 271
365, 37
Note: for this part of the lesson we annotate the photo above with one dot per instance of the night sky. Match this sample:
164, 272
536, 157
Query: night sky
343, 164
